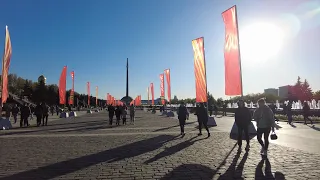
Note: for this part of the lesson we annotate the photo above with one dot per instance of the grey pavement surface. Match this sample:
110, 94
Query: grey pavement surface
87, 148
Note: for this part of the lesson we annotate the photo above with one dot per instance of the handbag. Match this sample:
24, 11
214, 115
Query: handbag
273, 136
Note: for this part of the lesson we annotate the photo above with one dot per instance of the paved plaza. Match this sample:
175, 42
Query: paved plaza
87, 148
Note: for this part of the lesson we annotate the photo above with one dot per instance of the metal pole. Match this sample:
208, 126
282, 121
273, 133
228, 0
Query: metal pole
205, 73
236, 14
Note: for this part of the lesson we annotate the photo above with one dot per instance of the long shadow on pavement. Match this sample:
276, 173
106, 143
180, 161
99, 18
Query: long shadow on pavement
111, 155
232, 172
190, 171
267, 172
173, 149
166, 128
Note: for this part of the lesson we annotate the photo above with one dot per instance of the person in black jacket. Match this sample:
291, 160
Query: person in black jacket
243, 120
306, 111
118, 115
111, 113
38, 112
182, 116
202, 116
25, 113
45, 114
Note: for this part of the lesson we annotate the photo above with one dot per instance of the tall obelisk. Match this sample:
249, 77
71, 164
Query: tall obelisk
127, 85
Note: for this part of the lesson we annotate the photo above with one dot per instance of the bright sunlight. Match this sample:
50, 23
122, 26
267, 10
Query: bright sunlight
259, 42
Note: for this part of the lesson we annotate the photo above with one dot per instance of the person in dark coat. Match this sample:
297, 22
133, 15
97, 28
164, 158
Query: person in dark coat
118, 115
25, 113
15, 110
182, 116
111, 114
202, 116
38, 111
306, 111
45, 114
243, 119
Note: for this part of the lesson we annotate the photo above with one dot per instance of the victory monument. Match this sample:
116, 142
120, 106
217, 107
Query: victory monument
127, 99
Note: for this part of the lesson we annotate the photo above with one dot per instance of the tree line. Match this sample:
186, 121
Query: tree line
38, 92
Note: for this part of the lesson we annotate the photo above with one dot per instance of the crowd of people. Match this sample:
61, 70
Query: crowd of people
27, 112
121, 112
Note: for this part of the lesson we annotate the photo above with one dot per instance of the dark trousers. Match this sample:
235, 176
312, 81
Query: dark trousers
124, 121
246, 134
15, 117
118, 120
39, 118
306, 117
45, 119
204, 123
265, 132
182, 122
110, 119
24, 121
131, 117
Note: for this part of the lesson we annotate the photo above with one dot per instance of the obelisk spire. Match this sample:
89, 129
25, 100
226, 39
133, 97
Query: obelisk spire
127, 85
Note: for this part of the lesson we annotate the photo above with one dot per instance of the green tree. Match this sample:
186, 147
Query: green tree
316, 95
175, 100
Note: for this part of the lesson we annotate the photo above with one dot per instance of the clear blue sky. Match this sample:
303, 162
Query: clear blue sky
94, 38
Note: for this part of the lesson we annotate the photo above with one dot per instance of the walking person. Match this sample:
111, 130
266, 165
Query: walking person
45, 114
289, 112
15, 110
124, 115
264, 117
118, 115
306, 111
31, 111
182, 116
111, 114
25, 113
243, 120
202, 116
273, 107
38, 111
132, 113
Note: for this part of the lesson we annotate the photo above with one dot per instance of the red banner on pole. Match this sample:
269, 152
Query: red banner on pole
63, 85
88, 91
107, 99
71, 98
232, 62
200, 70
162, 94
167, 73
152, 93
5, 66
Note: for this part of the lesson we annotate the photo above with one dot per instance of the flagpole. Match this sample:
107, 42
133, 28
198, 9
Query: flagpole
4, 51
236, 14
205, 73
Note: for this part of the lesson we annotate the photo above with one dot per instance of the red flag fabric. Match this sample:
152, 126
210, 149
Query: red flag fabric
162, 88
63, 85
88, 91
71, 98
167, 73
152, 93
107, 99
233, 84
5, 66
200, 70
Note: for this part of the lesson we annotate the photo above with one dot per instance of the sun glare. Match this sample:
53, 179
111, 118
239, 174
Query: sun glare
259, 42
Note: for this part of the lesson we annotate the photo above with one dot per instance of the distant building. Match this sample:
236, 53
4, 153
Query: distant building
284, 91
272, 91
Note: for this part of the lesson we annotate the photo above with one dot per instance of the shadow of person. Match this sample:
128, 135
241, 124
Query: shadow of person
267, 174
111, 155
292, 125
190, 171
232, 172
173, 149
314, 127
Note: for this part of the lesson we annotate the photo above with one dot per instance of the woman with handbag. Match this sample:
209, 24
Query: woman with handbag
264, 117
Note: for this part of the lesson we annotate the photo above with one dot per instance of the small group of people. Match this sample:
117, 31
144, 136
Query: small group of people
41, 111
264, 117
287, 109
121, 112
202, 116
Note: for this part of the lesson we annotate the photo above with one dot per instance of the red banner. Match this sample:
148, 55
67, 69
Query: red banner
167, 73
152, 93
233, 84
88, 91
5, 66
96, 95
200, 70
71, 98
107, 99
63, 85
162, 88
